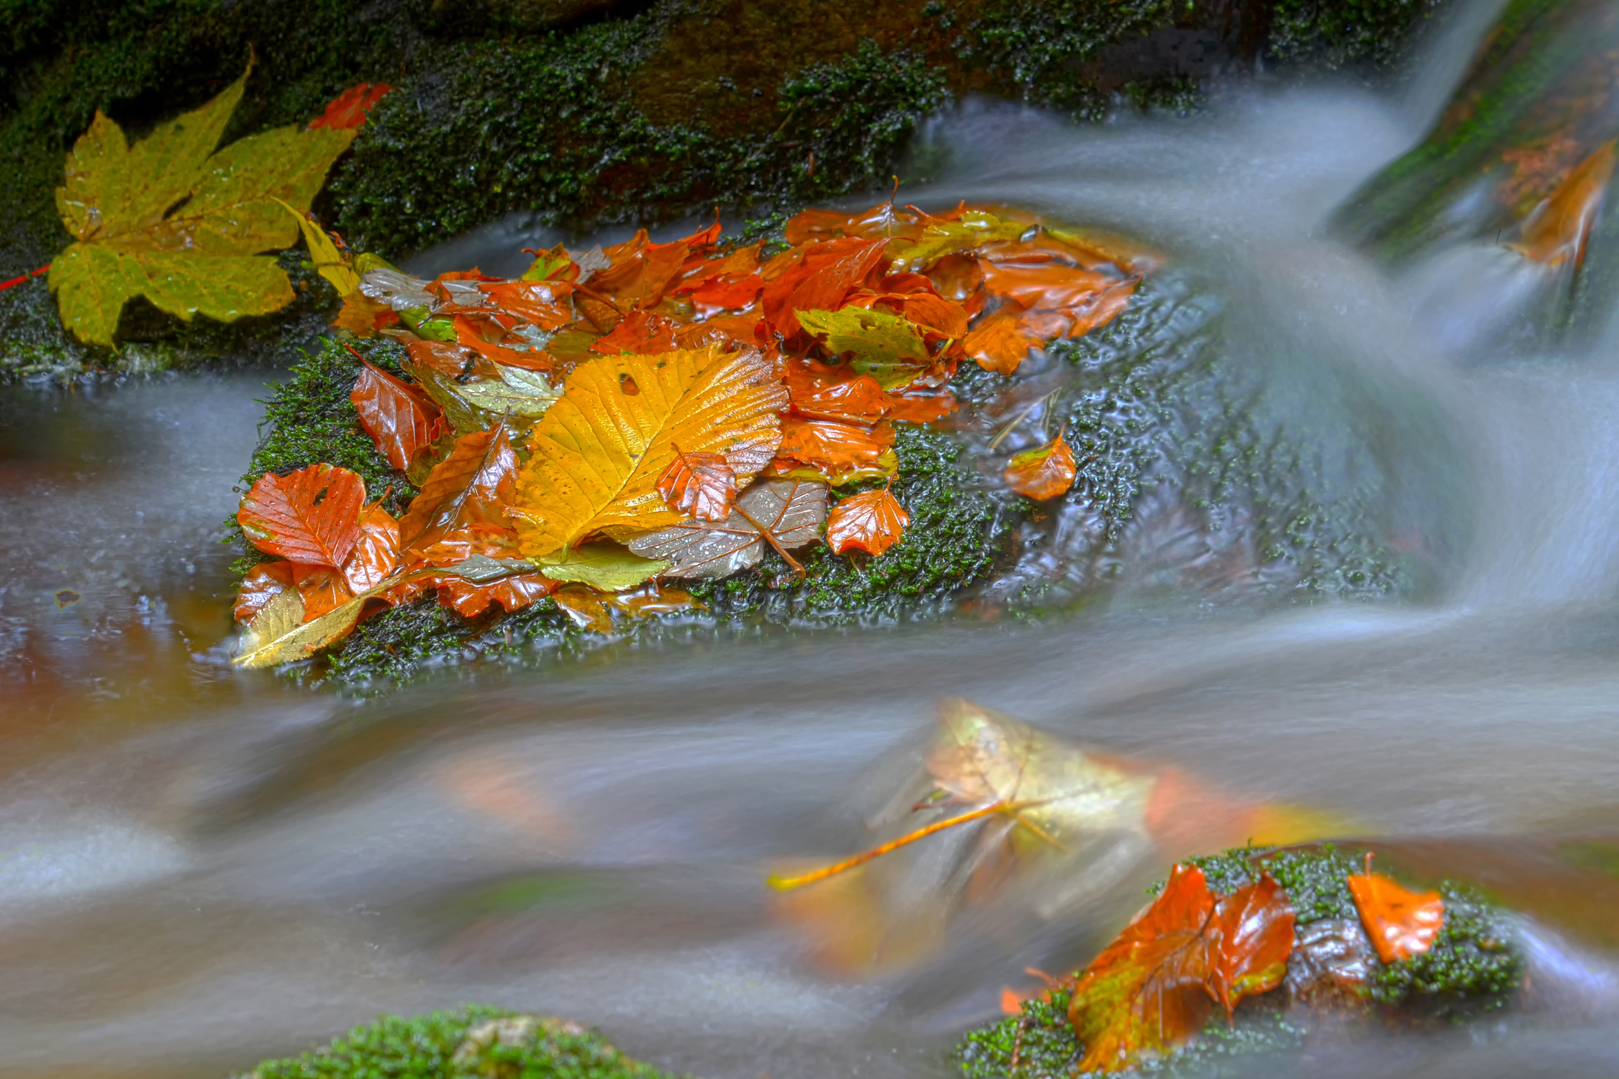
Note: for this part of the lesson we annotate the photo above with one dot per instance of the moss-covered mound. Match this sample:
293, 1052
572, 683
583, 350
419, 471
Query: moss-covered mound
474, 1043
578, 111
1472, 969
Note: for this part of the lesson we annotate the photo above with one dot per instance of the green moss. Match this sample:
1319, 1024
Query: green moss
472, 1043
1343, 33
1471, 968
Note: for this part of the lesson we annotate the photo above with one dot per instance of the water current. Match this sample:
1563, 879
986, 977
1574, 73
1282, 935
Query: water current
200, 867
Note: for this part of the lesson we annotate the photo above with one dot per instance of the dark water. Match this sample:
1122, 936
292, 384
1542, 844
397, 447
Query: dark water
200, 867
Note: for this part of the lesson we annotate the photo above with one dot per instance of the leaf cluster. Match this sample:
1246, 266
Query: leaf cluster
618, 419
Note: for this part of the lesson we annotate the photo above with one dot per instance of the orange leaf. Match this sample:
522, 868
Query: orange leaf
881, 220
469, 599
586, 607
1255, 924
1101, 307
348, 109
1050, 286
1148, 990
376, 555
397, 416
263, 583
872, 521
834, 393
1001, 342
1043, 472
700, 485
448, 358
640, 331
322, 589
1557, 229
641, 272
915, 406
822, 278
311, 516
1400, 923
473, 485
832, 446
363, 316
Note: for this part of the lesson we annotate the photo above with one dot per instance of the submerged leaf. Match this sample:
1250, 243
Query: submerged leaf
872, 522
1043, 472
310, 516
600, 450
784, 513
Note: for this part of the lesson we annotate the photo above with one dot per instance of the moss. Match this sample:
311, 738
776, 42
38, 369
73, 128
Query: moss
475, 1041
1472, 968
1343, 33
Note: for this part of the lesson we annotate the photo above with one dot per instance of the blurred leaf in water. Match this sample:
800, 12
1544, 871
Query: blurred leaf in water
1556, 231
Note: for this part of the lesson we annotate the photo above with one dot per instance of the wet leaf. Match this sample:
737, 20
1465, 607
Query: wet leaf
885, 346
363, 316
1044, 471
328, 261
528, 394
598, 453
473, 485
279, 633
321, 588
1401, 923
1002, 341
942, 236
835, 447
1555, 232
310, 516
784, 513
481, 569
818, 280
171, 220
655, 598
398, 417
376, 553
263, 583
606, 567
872, 522
1255, 927
699, 485
585, 607
348, 109
1147, 992
512, 593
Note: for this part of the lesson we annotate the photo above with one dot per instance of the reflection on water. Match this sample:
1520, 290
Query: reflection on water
200, 867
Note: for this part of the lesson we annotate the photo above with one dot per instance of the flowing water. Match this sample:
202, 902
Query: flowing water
201, 867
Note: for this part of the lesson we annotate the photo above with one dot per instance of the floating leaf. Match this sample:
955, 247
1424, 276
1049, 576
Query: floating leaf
872, 522
310, 516
173, 221
473, 485
397, 416
1401, 923
885, 346
598, 453
784, 513
606, 567
1044, 471
699, 485
1002, 341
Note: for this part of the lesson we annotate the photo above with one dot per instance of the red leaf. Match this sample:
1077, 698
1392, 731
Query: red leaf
834, 447
1043, 472
322, 588
348, 109
397, 416
263, 583
872, 521
474, 484
700, 485
1256, 936
512, 593
311, 516
1001, 341
376, 555
1401, 923
820, 280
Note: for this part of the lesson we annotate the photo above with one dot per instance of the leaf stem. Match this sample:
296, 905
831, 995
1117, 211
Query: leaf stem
19, 280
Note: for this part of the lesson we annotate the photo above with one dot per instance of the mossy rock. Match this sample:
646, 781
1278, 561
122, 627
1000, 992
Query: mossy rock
475, 1042
575, 112
1473, 970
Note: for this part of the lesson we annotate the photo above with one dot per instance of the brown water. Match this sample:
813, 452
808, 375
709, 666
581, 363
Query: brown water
200, 867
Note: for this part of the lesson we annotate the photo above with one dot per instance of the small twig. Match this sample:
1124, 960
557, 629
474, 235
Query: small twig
1019, 418
19, 280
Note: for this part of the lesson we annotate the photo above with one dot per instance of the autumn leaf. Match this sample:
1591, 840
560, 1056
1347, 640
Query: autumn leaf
376, 553
474, 484
1255, 926
263, 583
872, 522
1044, 471
398, 417
585, 607
834, 447
598, 453
885, 346
1401, 923
944, 236
324, 255
172, 220
310, 516
347, 110
1001, 342
606, 567
786, 514
699, 485
528, 394
470, 599
279, 634
819, 280
1556, 230
322, 589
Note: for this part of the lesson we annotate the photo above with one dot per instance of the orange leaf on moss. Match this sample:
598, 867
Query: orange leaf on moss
1043, 472
348, 109
835, 447
400, 418
1401, 923
311, 516
1255, 924
872, 522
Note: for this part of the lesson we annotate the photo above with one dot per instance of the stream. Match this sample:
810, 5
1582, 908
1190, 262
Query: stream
201, 867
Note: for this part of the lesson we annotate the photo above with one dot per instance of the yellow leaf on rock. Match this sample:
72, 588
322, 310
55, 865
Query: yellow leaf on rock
174, 221
599, 450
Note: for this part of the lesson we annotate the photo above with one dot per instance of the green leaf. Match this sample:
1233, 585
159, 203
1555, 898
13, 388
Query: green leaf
185, 226
606, 567
885, 346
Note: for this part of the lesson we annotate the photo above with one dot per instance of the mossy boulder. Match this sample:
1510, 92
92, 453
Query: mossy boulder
475, 1042
577, 112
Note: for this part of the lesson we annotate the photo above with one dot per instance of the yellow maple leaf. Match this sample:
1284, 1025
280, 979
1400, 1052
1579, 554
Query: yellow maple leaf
172, 220
599, 450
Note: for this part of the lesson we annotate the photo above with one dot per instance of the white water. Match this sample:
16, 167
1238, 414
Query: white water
199, 868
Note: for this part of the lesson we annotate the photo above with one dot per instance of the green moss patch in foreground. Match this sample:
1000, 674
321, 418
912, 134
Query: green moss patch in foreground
1472, 969
477, 1041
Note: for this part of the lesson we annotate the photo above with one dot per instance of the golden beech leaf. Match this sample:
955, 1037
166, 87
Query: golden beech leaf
174, 221
597, 454
1401, 923
310, 516
1044, 471
699, 485
872, 522
279, 634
